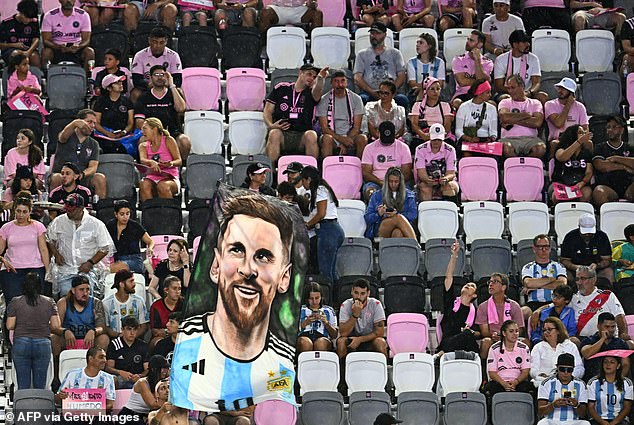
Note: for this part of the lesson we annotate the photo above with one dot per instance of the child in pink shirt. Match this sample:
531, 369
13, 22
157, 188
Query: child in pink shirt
21, 78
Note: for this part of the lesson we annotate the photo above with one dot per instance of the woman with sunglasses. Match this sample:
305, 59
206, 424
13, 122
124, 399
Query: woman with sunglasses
509, 362
610, 394
545, 353
385, 109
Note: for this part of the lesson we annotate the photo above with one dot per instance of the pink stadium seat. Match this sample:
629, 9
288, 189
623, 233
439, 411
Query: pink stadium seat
121, 399
127, 72
160, 245
287, 159
333, 10
630, 91
478, 178
202, 88
246, 89
8, 9
407, 333
343, 174
195, 244
630, 324
523, 179
275, 412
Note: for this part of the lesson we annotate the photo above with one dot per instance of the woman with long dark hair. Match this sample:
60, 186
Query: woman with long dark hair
317, 322
127, 234
323, 218
23, 181
143, 398
573, 162
610, 394
430, 110
25, 153
32, 317
176, 264
504, 374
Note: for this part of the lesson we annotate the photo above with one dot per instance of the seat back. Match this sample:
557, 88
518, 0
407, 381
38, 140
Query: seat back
478, 177
524, 253
242, 162
241, 47
567, 217
366, 406
282, 75
203, 174
57, 120
399, 257
201, 87
103, 37
527, 220
404, 294
437, 253
615, 216
322, 407
413, 372
420, 408
247, 133
71, 359
334, 11
283, 162
512, 408
523, 179
190, 39
33, 400
285, 47
354, 257
160, 245
317, 371
362, 39
552, 47
120, 173
490, 256
343, 287
483, 220
197, 220
275, 412
407, 40
366, 371
629, 319
466, 407
458, 375
66, 86
549, 79
601, 93
8, 9
330, 46
407, 333
594, 50
343, 173
454, 40
121, 399
162, 216
205, 130
350, 215
246, 89
437, 219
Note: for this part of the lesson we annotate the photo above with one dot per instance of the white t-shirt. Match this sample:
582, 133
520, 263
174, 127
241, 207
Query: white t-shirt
501, 30
468, 115
609, 400
544, 359
580, 302
331, 208
532, 67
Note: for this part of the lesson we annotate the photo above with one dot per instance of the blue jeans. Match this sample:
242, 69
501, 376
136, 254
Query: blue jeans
12, 282
134, 261
331, 236
399, 98
31, 358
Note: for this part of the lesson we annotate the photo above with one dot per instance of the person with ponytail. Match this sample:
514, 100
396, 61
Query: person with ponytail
27, 154
430, 110
323, 218
509, 362
160, 154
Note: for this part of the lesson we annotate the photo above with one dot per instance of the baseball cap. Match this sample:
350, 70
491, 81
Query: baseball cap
386, 419
337, 73
23, 172
587, 224
120, 276
110, 79
437, 131
378, 26
293, 167
79, 280
387, 132
74, 200
566, 359
508, 2
519, 36
72, 166
257, 168
568, 84
309, 67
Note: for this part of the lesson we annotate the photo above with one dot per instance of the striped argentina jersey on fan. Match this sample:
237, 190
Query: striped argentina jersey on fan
77, 379
609, 400
203, 378
536, 270
552, 389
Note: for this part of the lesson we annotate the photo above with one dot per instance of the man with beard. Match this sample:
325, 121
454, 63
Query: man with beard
565, 111
229, 358
70, 173
519, 60
82, 318
78, 147
378, 63
66, 35
124, 302
472, 66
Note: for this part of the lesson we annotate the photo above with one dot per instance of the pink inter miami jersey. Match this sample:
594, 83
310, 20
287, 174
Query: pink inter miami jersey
66, 29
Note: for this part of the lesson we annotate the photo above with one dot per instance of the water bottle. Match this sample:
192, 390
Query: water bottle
625, 67
91, 81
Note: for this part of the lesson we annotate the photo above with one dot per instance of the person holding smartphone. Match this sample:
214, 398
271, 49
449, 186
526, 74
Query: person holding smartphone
562, 398
317, 322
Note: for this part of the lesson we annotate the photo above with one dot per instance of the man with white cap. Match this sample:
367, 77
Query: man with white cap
587, 246
565, 111
498, 27
435, 165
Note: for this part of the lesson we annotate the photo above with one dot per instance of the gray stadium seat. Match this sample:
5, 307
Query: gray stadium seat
120, 173
465, 408
399, 257
525, 254
601, 93
549, 79
437, 253
354, 257
162, 216
242, 162
322, 407
283, 75
203, 173
490, 256
419, 408
404, 294
365, 406
66, 86
30, 400
512, 408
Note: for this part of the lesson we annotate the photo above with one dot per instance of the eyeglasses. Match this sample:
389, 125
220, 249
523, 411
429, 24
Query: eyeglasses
584, 278
549, 329
563, 369
158, 74
495, 281
542, 246
384, 93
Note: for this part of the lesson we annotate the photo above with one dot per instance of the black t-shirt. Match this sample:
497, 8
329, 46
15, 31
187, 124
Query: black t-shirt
575, 248
572, 171
114, 115
613, 178
14, 31
101, 74
162, 108
627, 30
78, 153
59, 194
128, 358
165, 348
128, 243
299, 116
453, 322
162, 270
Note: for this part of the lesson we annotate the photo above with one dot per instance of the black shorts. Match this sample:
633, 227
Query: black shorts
313, 336
58, 57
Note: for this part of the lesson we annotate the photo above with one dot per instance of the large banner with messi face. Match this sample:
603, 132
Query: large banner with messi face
236, 346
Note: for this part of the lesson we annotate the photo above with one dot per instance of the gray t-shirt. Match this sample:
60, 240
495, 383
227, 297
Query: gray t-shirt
343, 120
76, 152
375, 71
32, 321
372, 313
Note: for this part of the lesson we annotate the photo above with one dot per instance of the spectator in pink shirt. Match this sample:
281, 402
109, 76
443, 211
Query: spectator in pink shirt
21, 78
382, 154
25, 153
471, 67
413, 12
456, 13
521, 118
564, 111
436, 167
66, 35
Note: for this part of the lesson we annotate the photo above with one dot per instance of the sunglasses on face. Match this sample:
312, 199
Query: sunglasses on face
564, 369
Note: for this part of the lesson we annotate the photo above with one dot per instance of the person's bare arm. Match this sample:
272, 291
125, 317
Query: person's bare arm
361, 84
47, 39
499, 85
345, 328
377, 332
507, 117
463, 79
451, 265
590, 350
542, 282
91, 169
68, 131
368, 176
536, 81
627, 46
480, 73
559, 120
535, 120
179, 100
318, 88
